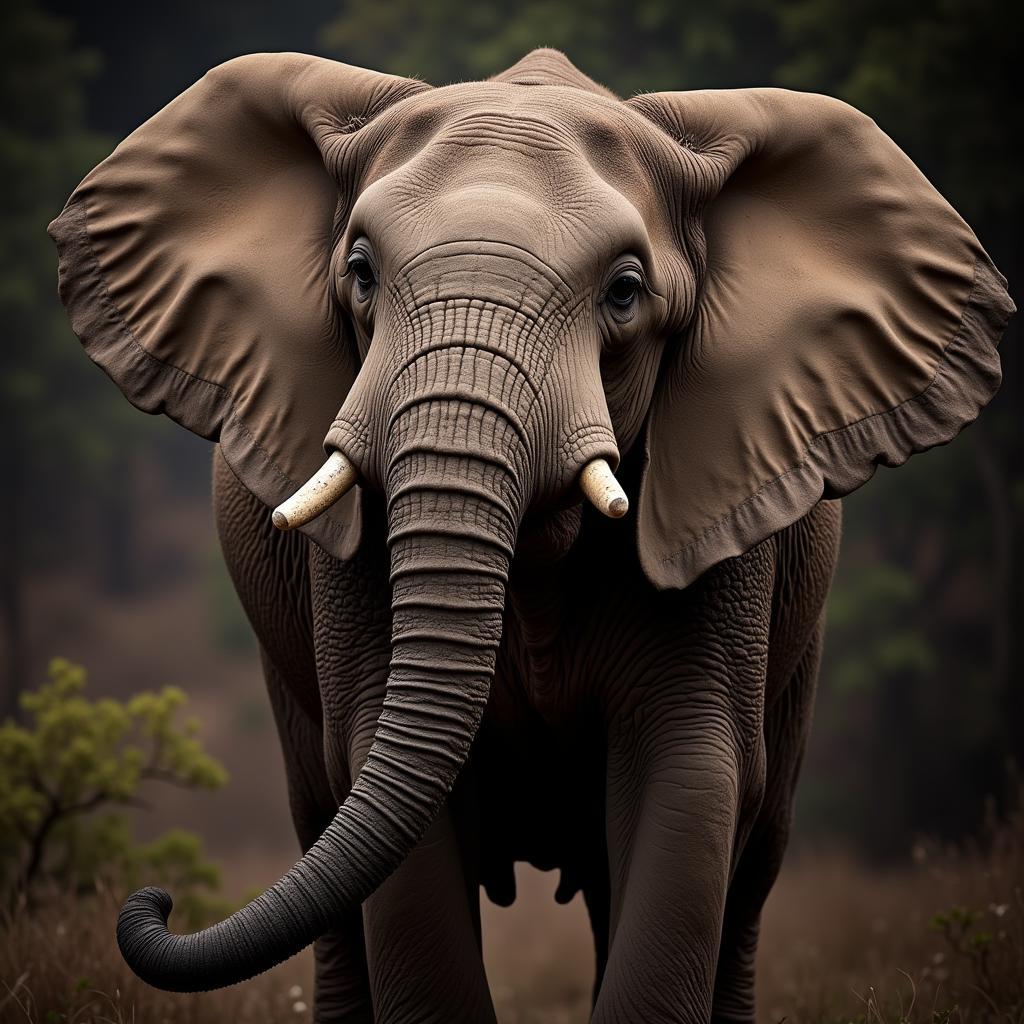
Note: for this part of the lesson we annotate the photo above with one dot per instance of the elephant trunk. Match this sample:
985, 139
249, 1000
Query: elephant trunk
452, 525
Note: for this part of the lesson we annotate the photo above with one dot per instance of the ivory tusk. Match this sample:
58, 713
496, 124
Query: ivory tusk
317, 494
603, 491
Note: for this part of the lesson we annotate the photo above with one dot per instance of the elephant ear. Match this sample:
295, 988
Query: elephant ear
195, 265
847, 318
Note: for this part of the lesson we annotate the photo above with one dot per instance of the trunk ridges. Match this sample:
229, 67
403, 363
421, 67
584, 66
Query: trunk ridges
480, 436
450, 552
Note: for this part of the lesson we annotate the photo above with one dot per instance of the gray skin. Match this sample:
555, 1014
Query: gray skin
645, 743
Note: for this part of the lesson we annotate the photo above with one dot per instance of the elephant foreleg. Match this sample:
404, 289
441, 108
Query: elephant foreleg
422, 937
270, 574
671, 831
686, 766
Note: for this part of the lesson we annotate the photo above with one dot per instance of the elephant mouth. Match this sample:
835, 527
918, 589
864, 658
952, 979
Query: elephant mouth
548, 536
337, 476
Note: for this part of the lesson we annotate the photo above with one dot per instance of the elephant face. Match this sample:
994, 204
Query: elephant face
804, 301
527, 282
478, 298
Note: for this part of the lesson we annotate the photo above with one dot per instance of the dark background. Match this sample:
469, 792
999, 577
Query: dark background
108, 553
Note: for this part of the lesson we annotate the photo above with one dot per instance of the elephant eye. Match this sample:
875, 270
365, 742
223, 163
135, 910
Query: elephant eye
623, 291
359, 267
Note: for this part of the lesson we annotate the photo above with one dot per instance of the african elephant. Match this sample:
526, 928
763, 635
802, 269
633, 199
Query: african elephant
491, 298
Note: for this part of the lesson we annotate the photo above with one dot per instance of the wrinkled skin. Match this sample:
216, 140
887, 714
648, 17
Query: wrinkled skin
523, 279
645, 744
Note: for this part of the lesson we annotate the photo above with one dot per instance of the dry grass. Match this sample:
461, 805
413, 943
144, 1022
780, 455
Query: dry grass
60, 963
940, 940
841, 943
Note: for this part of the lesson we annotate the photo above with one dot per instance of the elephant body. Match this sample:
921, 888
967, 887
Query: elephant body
591, 690
482, 302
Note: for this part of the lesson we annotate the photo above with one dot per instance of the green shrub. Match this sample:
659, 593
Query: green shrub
75, 760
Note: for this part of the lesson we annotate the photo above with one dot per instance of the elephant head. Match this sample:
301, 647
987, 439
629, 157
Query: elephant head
484, 296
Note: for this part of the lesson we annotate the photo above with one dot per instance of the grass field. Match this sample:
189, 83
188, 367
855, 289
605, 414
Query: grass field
938, 941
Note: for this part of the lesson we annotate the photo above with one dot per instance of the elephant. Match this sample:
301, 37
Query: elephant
508, 312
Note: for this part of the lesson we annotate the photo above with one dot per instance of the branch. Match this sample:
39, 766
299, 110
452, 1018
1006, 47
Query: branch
163, 775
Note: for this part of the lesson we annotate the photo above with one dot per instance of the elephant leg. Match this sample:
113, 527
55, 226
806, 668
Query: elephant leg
341, 990
685, 780
422, 925
787, 723
671, 831
423, 935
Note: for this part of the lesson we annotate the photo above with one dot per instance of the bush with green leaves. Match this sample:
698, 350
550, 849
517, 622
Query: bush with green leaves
73, 761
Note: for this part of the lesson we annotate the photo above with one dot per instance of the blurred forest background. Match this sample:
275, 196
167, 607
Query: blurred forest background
107, 549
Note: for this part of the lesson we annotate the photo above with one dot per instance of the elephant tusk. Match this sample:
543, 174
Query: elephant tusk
332, 480
603, 491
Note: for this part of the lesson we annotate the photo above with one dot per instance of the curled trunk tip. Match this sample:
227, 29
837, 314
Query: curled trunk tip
442, 662
142, 921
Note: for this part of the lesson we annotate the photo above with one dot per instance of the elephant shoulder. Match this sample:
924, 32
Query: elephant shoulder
805, 559
269, 570
806, 554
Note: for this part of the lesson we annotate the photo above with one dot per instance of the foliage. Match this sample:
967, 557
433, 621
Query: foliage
907, 63
841, 944
60, 965
58, 417
51, 399
870, 947
646, 45
78, 756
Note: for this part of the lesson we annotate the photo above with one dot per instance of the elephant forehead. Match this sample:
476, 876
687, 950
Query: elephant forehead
528, 116
491, 122
556, 175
